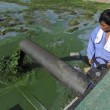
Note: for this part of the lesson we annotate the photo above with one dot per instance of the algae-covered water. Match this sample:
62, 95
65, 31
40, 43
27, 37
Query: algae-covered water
59, 32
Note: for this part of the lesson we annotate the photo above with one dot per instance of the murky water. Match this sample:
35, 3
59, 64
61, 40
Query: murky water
8, 34
59, 33
4, 6
25, 0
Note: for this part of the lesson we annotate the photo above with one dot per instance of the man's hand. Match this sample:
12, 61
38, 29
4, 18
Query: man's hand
90, 61
108, 65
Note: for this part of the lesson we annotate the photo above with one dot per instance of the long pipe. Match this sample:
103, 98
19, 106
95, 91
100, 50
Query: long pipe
59, 69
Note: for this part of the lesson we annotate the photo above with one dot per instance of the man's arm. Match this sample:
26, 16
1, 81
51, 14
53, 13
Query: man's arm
90, 50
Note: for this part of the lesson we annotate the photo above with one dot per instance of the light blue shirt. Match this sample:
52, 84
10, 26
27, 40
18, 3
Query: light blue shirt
97, 49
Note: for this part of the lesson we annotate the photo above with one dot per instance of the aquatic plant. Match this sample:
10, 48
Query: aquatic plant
9, 69
73, 22
72, 29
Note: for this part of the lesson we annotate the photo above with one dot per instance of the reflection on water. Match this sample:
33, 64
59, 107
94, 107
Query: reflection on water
4, 6
8, 34
50, 20
25, 0
56, 43
51, 16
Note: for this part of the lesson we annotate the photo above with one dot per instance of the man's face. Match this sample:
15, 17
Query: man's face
105, 27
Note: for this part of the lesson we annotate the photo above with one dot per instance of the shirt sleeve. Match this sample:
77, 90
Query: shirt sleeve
91, 46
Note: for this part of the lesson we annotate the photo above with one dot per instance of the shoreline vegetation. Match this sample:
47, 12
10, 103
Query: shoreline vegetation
90, 5
102, 1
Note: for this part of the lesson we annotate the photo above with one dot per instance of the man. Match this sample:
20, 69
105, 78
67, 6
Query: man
99, 43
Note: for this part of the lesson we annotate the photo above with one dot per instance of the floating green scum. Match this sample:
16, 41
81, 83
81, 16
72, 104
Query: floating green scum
57, 26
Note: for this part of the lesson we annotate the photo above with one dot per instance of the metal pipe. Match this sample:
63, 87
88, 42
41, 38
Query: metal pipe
69, 76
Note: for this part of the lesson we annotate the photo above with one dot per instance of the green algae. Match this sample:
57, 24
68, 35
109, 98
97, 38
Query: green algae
36, 88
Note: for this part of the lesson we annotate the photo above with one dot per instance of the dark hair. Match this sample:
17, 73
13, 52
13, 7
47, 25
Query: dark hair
105, 16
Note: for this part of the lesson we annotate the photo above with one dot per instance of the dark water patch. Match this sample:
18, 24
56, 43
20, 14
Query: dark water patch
12, 19
2, 19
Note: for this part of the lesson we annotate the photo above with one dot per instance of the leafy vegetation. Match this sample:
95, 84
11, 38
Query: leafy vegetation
9, 69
